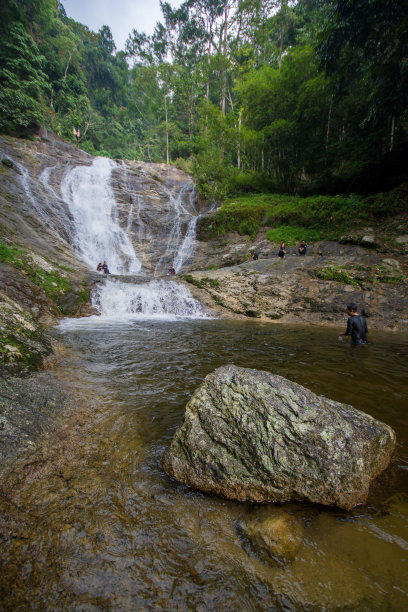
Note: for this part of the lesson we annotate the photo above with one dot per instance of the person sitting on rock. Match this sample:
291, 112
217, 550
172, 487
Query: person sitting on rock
172, 270
99, 267
105, 268
356, 326
302, 250
282, 250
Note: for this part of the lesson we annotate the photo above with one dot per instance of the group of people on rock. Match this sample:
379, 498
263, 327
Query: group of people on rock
356, 325
302, 249
102, 268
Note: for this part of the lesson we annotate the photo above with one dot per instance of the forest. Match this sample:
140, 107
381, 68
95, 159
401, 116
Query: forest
249, 96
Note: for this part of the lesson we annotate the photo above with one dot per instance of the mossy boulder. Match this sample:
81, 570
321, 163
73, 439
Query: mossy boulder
251, 435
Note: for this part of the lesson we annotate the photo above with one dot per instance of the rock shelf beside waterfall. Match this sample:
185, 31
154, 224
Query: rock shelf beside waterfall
251, 435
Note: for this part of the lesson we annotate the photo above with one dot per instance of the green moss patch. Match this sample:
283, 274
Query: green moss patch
202, 282
340, 274
355, 275
292, 235
54, 284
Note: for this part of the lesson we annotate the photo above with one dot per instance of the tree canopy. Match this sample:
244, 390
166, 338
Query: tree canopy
278, 95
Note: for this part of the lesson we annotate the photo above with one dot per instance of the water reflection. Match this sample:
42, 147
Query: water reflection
112, 531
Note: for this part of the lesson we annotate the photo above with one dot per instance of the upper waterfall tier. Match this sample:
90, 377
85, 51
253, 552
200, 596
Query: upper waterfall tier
96, 232
78, 210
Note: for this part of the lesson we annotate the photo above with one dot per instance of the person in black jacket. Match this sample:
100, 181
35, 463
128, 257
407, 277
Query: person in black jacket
302, 250
356, 325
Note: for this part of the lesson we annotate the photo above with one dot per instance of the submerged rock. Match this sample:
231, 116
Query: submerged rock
251, 435
275, 535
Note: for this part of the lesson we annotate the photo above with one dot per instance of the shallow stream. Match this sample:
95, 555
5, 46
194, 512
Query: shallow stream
111, 531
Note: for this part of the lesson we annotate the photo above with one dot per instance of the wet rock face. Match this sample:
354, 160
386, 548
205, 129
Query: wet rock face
46, 277
150, 198
251, 435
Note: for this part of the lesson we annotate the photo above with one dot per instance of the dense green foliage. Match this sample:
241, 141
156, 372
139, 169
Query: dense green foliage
306, 96
295, 218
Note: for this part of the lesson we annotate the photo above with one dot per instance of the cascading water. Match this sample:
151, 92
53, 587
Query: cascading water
97, 234
157, 299
178, 250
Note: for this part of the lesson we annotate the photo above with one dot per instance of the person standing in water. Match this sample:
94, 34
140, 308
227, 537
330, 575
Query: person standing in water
105, 268
356, 325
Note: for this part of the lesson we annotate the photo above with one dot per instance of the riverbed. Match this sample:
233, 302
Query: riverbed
110, 530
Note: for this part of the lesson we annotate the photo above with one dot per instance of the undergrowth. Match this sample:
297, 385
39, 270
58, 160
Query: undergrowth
295, 218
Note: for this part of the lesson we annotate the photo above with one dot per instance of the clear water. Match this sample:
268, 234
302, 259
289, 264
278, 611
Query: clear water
109, 530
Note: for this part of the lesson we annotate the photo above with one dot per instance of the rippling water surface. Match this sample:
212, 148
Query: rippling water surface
111, 531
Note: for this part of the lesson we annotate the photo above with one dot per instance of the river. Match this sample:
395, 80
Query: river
112, 531
105, 528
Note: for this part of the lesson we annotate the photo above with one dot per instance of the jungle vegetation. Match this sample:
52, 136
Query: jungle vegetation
274, 96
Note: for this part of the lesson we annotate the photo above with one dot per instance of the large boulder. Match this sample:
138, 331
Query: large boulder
251, 435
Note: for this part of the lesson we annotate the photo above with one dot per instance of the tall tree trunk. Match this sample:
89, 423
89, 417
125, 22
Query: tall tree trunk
239, 141
392, 133
224, 47
281, 45
328, 122
167, 131
68, 63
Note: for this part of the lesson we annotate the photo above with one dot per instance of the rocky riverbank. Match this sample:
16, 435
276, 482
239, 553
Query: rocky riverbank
42, 278
309, 290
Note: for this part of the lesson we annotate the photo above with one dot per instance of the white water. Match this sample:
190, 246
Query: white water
45, 215
156, 299
97, 235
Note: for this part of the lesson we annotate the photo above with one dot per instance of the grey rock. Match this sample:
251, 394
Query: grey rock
251, 435
368, 240
290, 290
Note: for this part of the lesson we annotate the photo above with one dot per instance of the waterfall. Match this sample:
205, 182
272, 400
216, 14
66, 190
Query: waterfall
97, 235
44, 213
186, 249
179, 249
158, 299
